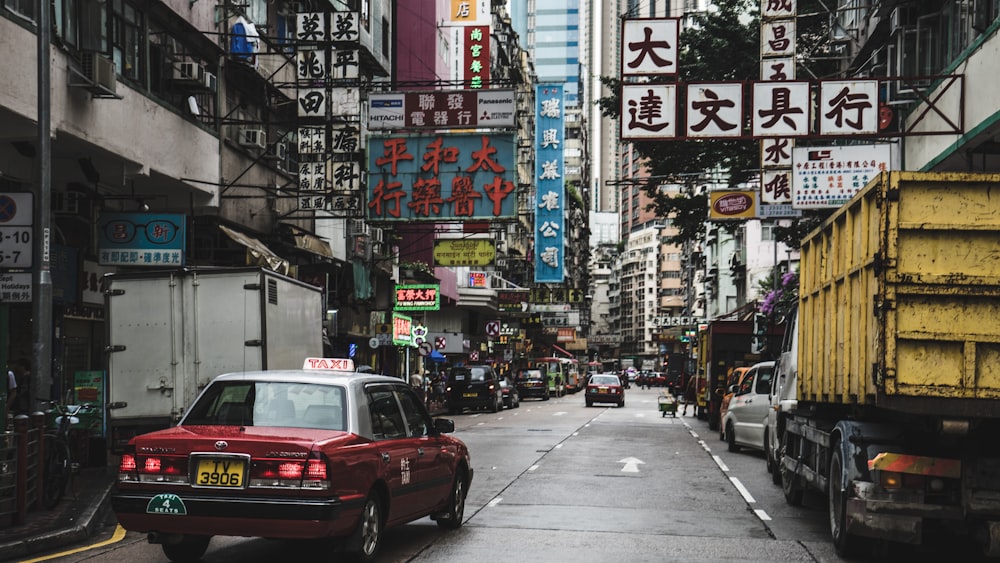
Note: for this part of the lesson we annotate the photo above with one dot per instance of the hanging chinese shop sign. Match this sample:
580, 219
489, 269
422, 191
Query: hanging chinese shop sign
476, 44
327, 70
418, 297
464, 252
441, 109
830, 176
550, 128
402, 330
780, 108
727, 205
465, 12
441, 177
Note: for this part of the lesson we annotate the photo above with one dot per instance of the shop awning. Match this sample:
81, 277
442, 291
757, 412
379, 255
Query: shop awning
258, 253
310, 242
563, 350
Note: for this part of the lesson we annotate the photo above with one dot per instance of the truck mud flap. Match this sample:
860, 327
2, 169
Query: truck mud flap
904, 529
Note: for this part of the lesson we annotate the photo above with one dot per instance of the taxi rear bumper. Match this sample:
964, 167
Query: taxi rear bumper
270, 517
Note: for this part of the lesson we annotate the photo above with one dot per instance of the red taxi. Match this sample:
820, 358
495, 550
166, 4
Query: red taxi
605, 388
322, 452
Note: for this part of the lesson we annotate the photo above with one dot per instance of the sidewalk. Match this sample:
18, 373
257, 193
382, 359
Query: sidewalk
81, 514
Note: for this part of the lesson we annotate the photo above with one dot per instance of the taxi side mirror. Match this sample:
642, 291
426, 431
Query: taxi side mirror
444, 425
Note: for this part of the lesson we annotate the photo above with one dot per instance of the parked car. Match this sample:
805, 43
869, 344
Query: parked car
732, 384
511, 397
532, 383
317, 453
744, 421
474, 387
605, 388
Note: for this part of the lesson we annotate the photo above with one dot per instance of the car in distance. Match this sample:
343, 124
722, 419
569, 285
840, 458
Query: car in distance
317, 453
747, 413
605, 388
511, 397
474, 387
532, 383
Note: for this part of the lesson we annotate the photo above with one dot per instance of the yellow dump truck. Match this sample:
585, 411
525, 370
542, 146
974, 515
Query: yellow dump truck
896, 362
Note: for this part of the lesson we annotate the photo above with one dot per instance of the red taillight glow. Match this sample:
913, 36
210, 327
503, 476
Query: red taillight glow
316, 469
152, 465
127, 463
290, 470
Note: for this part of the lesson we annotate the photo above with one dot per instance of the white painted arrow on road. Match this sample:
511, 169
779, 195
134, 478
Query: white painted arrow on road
631, 464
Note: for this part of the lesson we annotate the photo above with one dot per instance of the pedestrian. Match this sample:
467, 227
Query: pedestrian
690, 394
417, 382
11, 393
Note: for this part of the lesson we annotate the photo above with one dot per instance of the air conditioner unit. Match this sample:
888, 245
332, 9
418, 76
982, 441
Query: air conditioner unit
190, 72
281, 150
99, 70
358, 227
210, 83
253, 138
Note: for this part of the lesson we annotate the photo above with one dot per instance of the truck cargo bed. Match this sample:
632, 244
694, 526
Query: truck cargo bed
899, 297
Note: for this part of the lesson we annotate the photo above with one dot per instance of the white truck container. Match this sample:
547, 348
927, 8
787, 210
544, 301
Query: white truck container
170, 332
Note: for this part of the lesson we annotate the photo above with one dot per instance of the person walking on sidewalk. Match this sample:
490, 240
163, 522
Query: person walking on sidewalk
690, 392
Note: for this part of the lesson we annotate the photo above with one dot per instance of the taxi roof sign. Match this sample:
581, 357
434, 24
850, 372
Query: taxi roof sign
341, 364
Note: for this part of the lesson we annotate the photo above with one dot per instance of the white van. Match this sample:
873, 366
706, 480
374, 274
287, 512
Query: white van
744, 422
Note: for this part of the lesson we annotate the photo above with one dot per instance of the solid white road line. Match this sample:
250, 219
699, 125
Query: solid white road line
761, 514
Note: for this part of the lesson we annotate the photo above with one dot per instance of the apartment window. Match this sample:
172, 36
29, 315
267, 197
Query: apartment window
767, 232
23, 8
128, 48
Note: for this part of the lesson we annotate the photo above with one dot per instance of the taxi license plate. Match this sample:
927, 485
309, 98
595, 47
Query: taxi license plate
602, 389
470, 394
216, 472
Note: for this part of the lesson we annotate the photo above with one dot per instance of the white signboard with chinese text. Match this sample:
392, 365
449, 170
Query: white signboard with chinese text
714, 110
649, 47
15, 287
848, 107
780, 109
830, 176
648, 111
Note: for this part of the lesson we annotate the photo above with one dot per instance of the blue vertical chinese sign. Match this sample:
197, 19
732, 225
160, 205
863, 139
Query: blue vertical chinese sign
550, 127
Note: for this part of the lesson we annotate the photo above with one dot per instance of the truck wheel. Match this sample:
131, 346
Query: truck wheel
790, 485
772, 464
846, 543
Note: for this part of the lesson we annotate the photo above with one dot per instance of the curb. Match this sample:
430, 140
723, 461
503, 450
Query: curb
89, 523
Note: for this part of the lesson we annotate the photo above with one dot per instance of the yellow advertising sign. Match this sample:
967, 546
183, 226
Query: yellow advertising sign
464, 252
464, 11
728, 205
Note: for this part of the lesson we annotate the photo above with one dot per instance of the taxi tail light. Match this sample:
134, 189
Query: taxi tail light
308, 473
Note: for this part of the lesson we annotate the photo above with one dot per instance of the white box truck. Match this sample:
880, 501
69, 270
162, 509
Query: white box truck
170, 332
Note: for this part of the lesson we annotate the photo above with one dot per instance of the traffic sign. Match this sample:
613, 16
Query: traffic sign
425, 348
440, 342
16, 220
373, 343
493, 328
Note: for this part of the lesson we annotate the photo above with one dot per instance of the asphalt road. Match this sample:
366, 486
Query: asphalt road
557, 481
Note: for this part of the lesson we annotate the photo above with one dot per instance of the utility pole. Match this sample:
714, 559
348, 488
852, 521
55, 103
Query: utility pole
41, 378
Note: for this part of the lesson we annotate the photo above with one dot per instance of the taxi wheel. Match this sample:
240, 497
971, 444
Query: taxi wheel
452, 520
189, 549
546, 396
368, 537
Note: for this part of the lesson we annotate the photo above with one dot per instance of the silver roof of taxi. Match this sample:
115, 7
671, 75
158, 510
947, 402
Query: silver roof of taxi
359, 421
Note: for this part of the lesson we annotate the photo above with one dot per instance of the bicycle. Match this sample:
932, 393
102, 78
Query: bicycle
59, 465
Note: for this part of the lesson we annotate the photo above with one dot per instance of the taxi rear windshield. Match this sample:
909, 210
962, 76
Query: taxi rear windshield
262, 403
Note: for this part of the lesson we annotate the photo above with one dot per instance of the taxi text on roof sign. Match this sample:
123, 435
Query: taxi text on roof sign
342, 364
